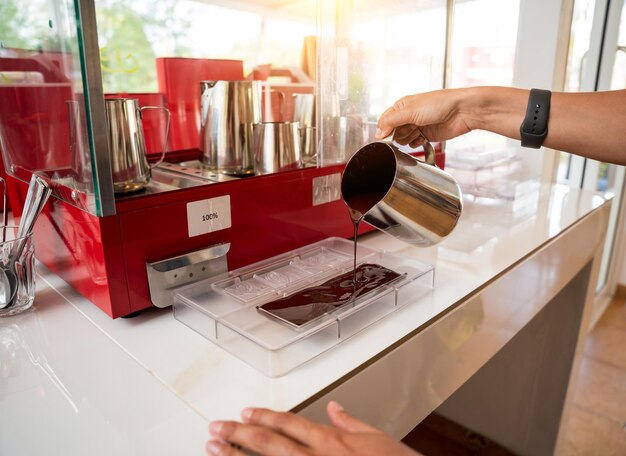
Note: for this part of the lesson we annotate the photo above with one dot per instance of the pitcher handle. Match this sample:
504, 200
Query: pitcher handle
429, 150
267, 109
167, 131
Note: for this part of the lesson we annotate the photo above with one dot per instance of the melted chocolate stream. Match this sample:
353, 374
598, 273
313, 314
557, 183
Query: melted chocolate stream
358, 206
313, 302
356, 231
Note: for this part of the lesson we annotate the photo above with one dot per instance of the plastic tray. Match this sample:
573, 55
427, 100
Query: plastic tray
224, 308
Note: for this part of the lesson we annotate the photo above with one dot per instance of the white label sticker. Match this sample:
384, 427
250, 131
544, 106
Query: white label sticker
326, 189
208, 215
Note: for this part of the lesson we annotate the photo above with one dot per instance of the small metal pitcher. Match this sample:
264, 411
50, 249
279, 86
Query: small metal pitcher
228, 111
412, 200
304, 114
129, 162
276, 147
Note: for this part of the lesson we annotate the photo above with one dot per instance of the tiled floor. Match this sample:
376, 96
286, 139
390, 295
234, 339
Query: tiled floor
597, 421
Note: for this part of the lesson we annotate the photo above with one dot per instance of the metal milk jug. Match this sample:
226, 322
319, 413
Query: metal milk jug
129, 162
228, 111
412, 200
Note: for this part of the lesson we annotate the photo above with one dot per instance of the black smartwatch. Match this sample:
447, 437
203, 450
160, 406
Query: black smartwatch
534, 129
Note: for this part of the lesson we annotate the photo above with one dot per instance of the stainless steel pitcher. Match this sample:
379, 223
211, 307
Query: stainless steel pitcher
228, 111
412, 200
276, 147
304, 114
129, 162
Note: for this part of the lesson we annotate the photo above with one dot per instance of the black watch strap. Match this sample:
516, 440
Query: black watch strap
534, 129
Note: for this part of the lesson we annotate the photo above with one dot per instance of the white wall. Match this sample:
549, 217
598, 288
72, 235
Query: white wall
538, 39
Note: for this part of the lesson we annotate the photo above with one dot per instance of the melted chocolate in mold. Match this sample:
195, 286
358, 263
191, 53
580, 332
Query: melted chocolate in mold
311, 303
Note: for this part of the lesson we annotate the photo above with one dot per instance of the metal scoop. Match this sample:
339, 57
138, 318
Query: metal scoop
38, 192
5, 284
4, 209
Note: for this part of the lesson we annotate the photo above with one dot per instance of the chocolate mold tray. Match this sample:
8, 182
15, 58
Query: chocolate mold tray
224, 308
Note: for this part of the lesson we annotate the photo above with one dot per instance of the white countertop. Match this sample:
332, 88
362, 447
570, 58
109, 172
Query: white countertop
149, 385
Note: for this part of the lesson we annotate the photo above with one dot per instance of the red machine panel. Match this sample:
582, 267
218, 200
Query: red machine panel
33, 108
105, 258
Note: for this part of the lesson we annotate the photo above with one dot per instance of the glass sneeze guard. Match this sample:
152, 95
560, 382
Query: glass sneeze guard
370, 54
44, 122
60, 60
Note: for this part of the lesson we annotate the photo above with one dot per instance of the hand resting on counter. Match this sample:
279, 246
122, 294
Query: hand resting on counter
270, 433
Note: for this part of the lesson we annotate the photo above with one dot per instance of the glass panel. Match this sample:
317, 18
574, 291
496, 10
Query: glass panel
483, 42
159, 52
484, 39
610, 178
373, 53
580, 40
42, 113
618, 78
569, 171
617, 173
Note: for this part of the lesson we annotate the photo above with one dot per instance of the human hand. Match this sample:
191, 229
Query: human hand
284, 434
434, 115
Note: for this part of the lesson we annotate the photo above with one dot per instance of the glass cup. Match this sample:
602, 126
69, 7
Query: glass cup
17, 271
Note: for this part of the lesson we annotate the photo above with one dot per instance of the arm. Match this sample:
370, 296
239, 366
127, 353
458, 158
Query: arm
589, 124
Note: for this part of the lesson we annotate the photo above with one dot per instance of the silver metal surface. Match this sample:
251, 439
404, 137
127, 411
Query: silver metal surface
326, 189
196, 170
308, 144
161, 182
165, 178
173, 272
167, 129
38, 193
273, 105
94, 105
5, 210
129, 162
229, 109
413, 201
81, 164
304, 109
276, 147
429, 151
